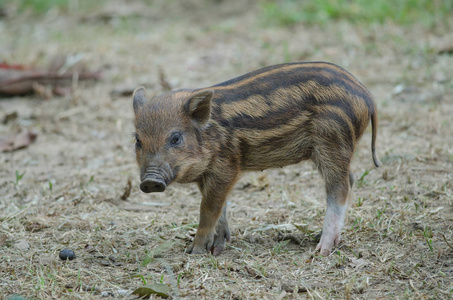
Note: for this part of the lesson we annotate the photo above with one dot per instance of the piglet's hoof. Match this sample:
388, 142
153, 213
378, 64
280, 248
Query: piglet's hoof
193, 250
223, 235
327, 243
201, 245
215, 246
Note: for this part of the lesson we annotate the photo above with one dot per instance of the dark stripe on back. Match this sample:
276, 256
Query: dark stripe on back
286, 78
326, 77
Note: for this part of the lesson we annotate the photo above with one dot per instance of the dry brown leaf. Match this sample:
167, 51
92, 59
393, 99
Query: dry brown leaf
127, 190
17, 141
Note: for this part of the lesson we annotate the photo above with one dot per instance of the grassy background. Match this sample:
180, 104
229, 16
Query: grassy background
289, 12
404, 12
64, 190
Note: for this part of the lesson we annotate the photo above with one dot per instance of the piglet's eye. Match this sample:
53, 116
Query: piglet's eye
138, 143
175, 139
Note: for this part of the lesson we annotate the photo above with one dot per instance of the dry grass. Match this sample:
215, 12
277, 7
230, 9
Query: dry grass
397, 242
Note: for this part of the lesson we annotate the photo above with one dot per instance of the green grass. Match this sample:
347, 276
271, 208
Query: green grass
39, 7
289, 12
19, 176
404, 12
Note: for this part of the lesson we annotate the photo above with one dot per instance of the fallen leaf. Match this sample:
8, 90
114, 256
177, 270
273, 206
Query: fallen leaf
163, 81
127, 190
17, 141
162, 290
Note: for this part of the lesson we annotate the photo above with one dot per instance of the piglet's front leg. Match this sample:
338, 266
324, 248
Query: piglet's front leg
213, 232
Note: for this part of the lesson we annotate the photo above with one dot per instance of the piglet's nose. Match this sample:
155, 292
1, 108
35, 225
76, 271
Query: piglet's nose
152, 185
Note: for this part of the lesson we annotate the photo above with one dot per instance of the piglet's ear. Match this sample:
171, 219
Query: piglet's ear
139, 98
199, 106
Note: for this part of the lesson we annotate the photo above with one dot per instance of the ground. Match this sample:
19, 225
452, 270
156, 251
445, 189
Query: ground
64, 190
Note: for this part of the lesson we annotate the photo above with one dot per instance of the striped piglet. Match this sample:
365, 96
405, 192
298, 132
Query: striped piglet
270, 118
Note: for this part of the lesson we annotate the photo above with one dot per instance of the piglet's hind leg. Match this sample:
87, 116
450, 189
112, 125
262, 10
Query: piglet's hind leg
337, 204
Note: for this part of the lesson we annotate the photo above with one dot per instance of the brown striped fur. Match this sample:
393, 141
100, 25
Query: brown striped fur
272, 117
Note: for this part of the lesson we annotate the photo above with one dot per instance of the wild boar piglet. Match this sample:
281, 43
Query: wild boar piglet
270, 118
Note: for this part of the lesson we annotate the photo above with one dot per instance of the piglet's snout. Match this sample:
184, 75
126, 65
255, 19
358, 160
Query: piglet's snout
156, 179
153, 185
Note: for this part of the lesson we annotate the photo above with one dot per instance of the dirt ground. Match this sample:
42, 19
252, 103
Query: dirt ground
397, 242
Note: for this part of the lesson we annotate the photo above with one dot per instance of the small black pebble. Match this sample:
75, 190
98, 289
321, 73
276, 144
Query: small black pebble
67, 254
